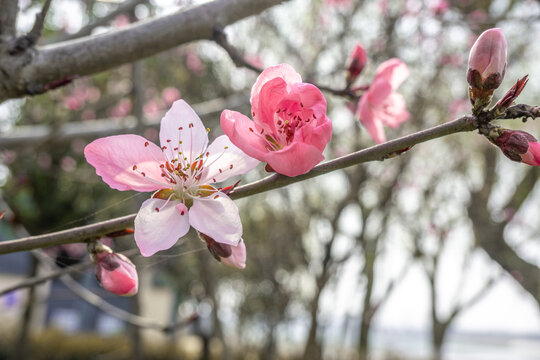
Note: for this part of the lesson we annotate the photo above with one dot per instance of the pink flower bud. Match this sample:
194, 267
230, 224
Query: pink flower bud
234, 256
519, 146
355, 63
115, 272
487, 62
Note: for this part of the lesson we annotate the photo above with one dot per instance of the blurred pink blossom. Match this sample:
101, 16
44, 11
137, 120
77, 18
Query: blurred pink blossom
440, 7
193, 62
170, 95
8, 156
68, 163
122, 109
44, 160
121, 21
381, 105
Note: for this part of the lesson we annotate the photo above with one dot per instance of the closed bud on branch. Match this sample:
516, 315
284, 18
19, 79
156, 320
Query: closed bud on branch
115, 272
355, 63
230, 255
519, 146
487, 63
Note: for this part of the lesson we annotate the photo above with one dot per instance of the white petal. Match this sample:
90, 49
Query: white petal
225, 156
159, 230
183, 130
217, 216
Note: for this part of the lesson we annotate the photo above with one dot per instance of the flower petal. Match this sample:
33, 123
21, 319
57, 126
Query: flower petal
225, 160
294, 159
157, 230
373, 125
394, 71
238, 256
114, 158
183, 130
217, 216
284, 71
240, 130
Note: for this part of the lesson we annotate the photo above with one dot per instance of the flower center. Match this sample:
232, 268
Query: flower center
288, 118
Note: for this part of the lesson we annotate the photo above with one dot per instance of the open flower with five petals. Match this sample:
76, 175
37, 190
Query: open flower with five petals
181, 172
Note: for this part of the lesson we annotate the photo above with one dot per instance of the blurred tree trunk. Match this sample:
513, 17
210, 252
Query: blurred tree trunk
23, 345
490, 234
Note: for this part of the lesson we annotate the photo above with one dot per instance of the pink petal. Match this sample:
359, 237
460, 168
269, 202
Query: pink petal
295, 159
238, 256
217, 216
225, 156
241, 131
378, 91
269, 99
318, 136
532, 156
181, 127
157, 230
393, 111
284, 71
394, 71
311, 98
115, 156
373, 125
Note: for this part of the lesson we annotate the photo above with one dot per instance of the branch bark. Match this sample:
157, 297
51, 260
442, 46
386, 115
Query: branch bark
378, 152
36, 70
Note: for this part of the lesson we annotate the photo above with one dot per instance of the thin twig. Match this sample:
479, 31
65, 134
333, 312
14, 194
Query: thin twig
34, 34
377, 152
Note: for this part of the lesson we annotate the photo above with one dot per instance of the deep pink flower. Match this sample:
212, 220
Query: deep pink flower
381, 105
519, 146
355, 63
181, 172
487, 62
115, 272
290, 128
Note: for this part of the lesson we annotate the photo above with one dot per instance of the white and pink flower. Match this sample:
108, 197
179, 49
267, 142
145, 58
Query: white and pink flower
181, 172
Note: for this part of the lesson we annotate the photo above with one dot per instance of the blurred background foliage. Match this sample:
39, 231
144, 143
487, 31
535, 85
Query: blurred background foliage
326, 256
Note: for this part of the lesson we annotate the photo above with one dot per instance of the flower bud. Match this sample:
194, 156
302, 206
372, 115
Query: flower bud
519, 146
115, 272
487, 63
234, 256
355, 63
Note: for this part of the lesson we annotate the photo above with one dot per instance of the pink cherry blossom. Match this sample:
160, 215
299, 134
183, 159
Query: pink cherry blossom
180, 172
115, 272
290, 128
380, 105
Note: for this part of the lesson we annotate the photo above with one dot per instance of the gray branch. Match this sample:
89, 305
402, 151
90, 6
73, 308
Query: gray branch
377, 152
40, 69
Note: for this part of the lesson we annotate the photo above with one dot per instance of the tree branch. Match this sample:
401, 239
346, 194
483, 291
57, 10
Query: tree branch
8, 19
378, 152
123, 8
40, 69
35, 135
